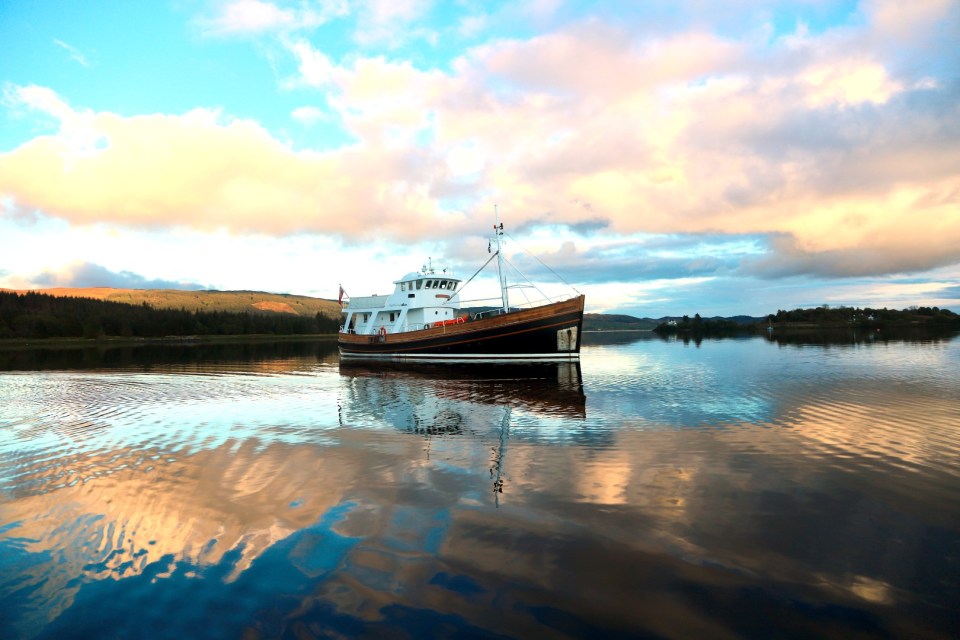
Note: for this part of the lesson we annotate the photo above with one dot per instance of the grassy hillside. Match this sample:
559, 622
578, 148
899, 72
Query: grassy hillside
228, 301
35, 316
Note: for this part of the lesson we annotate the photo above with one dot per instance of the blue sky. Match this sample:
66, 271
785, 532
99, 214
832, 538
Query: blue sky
662, 157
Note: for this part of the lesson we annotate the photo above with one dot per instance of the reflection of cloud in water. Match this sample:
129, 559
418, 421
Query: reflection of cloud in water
191, 509
356, 503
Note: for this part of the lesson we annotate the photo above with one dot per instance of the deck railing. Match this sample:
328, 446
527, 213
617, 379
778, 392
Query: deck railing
514, 307
417, 326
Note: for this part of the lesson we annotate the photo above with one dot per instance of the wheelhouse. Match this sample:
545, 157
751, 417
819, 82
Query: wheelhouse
419, 300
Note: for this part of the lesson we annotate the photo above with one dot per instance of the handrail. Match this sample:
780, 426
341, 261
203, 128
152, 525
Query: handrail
524, 305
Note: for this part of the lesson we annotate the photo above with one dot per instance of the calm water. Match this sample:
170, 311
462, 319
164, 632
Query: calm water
736, 488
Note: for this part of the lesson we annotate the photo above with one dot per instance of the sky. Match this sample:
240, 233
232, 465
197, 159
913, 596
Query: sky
662, 157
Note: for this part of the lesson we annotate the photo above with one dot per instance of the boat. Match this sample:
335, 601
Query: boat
422, 320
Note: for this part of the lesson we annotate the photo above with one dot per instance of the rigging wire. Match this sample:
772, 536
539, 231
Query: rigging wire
541, 262
529, 282
461, 288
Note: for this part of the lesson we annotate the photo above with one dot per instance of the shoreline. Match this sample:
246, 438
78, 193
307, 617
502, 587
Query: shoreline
75, 343
617, 331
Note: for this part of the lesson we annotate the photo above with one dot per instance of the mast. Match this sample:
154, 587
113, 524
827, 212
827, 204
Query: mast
498, 231
498, 457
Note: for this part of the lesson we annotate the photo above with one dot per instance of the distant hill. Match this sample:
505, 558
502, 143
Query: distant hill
229, 301
745, 320
33, 315
616, 322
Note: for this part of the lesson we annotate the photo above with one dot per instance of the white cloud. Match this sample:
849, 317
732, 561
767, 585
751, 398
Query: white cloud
909, 22
542, 9
89, 274
848, 82
39, 99
249, 16
309, 115
252, 17
473, 25
314, 67
392, 22
75, 54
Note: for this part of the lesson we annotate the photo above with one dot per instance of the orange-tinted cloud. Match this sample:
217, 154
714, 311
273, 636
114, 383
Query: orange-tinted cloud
827, 140
205, 171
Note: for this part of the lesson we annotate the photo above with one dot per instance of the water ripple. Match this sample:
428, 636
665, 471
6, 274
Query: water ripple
270, 494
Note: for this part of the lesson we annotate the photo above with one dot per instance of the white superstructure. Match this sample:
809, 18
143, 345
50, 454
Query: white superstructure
419, 300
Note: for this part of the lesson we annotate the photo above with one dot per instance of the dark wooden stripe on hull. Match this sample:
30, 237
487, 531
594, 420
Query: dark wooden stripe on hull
532, 331
531, 337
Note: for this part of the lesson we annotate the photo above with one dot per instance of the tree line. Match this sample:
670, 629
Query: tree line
37, 315
710, 327
867, 317
818, 317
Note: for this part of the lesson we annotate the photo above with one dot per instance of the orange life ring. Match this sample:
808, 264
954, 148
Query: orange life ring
383, 331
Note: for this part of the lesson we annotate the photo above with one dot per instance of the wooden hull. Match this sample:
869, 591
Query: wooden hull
547, 333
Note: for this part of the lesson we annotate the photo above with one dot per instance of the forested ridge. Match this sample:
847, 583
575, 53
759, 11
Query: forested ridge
826, 315
823, 317
36, 315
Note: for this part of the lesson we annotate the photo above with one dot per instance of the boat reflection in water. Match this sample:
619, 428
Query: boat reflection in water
448, 400
437, 398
